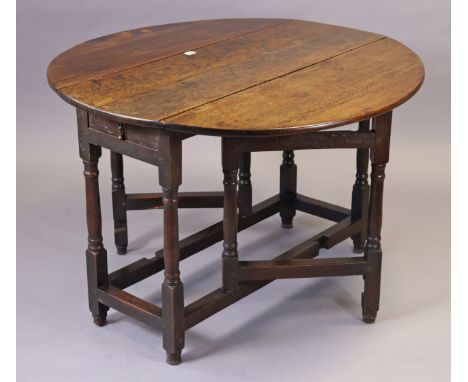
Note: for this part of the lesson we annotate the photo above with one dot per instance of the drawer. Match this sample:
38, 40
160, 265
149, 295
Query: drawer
141, 135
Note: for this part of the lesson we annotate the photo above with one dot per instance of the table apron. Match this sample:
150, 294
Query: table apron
315, 140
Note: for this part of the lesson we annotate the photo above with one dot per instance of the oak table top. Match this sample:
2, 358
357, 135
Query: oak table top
238, 76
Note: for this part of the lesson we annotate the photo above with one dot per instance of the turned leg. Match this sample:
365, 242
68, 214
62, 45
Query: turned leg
288, 182
230, 160
118, 204
373, 251
96, 256
245, 186
360, 196
172, 288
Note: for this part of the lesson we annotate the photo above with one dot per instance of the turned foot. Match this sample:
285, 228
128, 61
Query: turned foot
367, 316
286, 223
121, 250
174, 358
369, 319
99, 320
358, 248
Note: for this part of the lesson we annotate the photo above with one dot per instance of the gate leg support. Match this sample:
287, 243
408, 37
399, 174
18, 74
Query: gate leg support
118, 204
230, 160
288, 184
373, 251
360, 196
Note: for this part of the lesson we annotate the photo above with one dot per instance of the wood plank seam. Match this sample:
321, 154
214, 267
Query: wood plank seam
172, 55
161, 120
214, 67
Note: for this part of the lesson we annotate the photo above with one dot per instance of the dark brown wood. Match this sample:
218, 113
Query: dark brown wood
173, 313
113, 53
300, 268
379, 76
288, 185
230, 160
262, 85
143, 268
119, 208
199, 199
360, 195
245, 185
130, 305
305, 141
96, 255
236, 61
339, 232
170, 178
112, 141
137, 271
373, 251
216, 301
211, 235
219, 299
139, 135
320, 208
249, 76
138, 142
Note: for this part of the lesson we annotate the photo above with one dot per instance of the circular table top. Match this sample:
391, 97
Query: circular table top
238, 76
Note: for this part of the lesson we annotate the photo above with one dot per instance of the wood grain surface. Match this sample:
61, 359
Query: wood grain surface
247, 76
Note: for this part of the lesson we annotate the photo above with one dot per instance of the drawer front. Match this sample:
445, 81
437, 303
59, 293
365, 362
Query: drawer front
141, 135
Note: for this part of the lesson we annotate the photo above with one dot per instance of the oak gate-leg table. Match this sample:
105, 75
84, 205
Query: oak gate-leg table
260, 85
